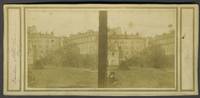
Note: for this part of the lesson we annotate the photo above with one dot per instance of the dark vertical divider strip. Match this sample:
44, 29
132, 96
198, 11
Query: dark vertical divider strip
102, 50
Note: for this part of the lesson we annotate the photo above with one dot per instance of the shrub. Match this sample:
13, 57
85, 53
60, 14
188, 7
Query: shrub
153, 56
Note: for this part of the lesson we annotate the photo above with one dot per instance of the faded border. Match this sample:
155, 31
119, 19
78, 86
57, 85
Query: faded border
7, 55
193, 46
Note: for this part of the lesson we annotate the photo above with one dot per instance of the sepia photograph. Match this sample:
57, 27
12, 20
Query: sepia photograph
63, 48
101, 49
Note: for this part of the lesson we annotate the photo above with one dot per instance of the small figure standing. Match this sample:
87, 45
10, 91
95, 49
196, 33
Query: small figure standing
112, 80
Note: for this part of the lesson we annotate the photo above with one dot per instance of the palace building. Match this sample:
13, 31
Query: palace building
166, 41
41, 44
121, 45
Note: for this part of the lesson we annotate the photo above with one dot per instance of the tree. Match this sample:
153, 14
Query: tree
155, 56
152, 56
68, 56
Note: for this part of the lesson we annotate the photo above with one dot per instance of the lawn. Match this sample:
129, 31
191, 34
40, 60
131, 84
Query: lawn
83, 78
145, 78
62, 77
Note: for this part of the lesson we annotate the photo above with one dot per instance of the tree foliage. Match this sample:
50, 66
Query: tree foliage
67, 57
153, 56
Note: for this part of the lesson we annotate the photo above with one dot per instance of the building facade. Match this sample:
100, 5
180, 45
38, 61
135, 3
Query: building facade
166, 41
121, 45
87, 42
41, 44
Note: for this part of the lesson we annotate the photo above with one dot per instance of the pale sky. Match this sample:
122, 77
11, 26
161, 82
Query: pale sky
64, 22
146, 22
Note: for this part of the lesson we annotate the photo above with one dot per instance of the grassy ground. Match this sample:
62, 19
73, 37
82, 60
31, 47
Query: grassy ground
145, 78
62, 77
72, 77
